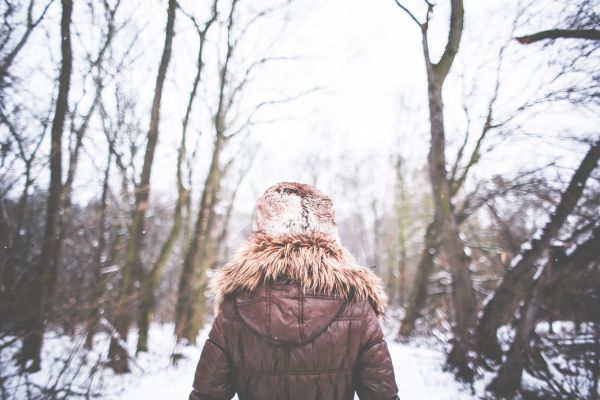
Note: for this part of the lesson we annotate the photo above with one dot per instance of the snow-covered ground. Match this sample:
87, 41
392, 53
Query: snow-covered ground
419, 372
418, 369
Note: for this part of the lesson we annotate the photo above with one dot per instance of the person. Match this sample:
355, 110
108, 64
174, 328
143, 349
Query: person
296, 317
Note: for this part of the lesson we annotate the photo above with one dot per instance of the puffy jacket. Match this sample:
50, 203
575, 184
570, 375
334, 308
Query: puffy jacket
295, 330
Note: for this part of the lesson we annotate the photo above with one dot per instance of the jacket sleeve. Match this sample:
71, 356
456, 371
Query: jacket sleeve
374, 372
214, 378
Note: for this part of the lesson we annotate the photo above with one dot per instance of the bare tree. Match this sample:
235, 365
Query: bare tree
78, 131
117, 353
41, 276
197, 259
153, 277
228, 123
454, 255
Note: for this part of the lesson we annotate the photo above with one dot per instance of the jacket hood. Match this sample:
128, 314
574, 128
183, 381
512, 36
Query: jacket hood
316, 263
285, 315
289, 288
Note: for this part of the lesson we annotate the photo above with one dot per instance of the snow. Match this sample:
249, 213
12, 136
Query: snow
418, 367
419, 372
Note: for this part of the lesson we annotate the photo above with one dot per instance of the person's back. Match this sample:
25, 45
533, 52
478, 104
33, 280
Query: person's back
297, 318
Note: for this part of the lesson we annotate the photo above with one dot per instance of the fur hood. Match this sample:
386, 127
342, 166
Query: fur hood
315, 261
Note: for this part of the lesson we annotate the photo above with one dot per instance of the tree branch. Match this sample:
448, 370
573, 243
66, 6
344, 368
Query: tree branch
456, 27
585, 34
409, 13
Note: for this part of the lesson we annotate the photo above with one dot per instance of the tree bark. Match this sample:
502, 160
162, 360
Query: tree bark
152, 279
419, 293
97, 284
117, 354
30, 356
402, 215
192, 279
500, 308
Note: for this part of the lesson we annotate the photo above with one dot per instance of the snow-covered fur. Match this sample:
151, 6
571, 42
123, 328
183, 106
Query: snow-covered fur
289, 208
315, 261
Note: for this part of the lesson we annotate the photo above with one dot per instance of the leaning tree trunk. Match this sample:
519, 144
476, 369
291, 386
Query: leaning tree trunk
557, 272
117, 353
501, 307
30, 356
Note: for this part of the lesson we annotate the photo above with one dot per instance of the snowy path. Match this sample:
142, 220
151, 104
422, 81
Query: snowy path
418, 372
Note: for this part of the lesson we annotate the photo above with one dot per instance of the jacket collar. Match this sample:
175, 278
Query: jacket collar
316, 262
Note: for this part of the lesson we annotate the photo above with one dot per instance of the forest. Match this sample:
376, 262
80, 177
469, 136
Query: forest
459, 139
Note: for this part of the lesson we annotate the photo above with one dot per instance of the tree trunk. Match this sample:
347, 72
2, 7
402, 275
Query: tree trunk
97, 283
418, 295
30, 356
189, 310
506, 298
152, 279
451, 246
14, 252
192, 279
117, 354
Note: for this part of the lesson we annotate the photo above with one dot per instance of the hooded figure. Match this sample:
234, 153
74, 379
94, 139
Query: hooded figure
296, 317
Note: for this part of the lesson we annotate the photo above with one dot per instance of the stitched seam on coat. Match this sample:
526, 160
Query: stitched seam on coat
373, 343
268, 311
325, 372
217, 346
258, 299
301, 318
362, 322
253, 301
310, 297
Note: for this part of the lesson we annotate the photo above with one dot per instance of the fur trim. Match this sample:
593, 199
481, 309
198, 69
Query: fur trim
314, 261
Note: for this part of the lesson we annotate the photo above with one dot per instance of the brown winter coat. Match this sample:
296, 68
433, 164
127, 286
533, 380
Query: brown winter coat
296, 320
